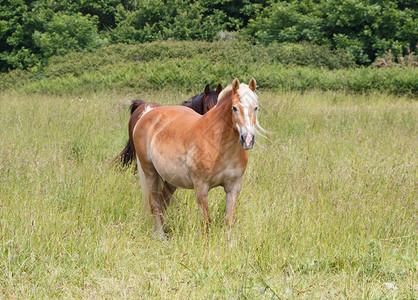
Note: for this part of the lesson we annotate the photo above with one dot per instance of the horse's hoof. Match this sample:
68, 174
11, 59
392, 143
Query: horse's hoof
160, 235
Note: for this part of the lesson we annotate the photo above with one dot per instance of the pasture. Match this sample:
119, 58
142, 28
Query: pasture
327, 210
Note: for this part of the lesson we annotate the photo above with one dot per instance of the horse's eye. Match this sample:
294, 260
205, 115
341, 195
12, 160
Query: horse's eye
255, 108
234, 108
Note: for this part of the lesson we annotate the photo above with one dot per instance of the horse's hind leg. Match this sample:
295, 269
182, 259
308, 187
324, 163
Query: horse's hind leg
159, 202
156, 204
166, 194
152, 191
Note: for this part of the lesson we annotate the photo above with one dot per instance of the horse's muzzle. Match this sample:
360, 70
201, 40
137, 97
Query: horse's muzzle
247, 140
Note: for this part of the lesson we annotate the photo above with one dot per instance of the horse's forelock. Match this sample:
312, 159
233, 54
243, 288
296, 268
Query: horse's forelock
244, 92
246, 95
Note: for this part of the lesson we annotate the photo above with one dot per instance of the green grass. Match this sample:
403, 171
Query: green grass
328, 207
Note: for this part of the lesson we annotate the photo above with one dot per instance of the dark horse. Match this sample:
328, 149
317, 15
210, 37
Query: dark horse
201, 104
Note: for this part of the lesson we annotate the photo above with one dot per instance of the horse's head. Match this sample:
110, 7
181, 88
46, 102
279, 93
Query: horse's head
244, 111
210, 98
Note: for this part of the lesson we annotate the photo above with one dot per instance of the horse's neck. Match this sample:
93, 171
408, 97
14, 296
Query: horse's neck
196, 104
219, 119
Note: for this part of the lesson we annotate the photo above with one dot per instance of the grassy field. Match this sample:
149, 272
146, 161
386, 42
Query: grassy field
328, 208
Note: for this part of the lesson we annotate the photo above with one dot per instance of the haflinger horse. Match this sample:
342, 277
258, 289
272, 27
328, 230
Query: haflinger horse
176, 147
201, 104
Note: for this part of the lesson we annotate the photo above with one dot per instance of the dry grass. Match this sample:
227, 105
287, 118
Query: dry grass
328, 207
389, 61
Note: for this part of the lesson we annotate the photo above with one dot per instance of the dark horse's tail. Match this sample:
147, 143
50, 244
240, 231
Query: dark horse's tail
127, 155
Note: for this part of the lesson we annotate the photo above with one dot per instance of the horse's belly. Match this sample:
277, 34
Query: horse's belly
173, 171
227, 175
178, 179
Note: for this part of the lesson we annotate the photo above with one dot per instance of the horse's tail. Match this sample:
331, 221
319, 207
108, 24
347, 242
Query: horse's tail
126, 157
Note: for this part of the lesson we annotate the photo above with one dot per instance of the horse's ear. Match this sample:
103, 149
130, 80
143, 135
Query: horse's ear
207, 89
235, 85
252, 85
219, 89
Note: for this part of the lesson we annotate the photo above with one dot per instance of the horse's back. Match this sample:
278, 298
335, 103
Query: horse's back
178, 117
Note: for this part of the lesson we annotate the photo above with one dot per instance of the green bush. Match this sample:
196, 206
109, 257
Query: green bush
158, 20
364, 29
282, 22
235, 51
32, 31
191, 65
308, 54
64, 33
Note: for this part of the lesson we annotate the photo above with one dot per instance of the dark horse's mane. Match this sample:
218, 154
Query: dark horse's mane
195, 103
203, 102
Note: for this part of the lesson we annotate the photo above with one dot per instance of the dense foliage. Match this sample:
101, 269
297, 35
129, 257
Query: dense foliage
32, 31
364, 28
189, 66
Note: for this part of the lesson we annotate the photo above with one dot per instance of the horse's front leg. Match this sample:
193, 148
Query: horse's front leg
201, 191
232, 191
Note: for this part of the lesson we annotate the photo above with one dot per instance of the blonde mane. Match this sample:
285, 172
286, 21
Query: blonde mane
225, 93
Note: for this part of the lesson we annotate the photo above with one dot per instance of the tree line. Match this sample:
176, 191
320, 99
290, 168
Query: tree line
33, 31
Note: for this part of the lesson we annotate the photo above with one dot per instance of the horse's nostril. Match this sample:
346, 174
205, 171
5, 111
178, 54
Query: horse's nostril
247, 140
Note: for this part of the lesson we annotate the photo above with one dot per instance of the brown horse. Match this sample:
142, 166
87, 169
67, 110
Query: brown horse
201, 104
176, 147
